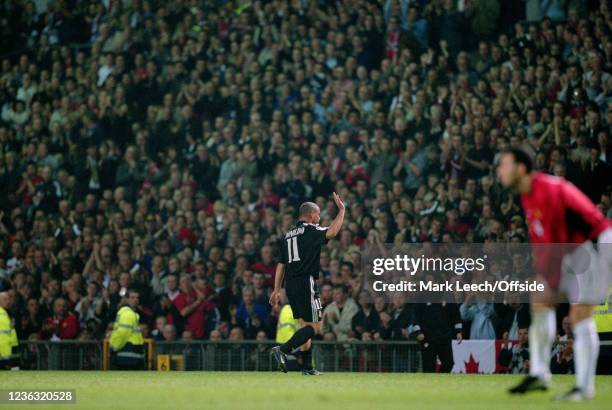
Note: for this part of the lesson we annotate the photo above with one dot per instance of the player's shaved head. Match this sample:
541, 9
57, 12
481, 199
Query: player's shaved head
308, 208
310, 212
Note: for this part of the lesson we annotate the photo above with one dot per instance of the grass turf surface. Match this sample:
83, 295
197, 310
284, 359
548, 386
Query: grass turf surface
250, 390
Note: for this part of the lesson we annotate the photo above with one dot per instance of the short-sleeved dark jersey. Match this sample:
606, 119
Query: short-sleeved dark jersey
301, 250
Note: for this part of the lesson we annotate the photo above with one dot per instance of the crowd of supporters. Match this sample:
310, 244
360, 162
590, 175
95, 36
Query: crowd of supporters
166, 145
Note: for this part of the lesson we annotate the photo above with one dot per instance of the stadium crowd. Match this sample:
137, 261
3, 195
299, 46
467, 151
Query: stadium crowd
166, 145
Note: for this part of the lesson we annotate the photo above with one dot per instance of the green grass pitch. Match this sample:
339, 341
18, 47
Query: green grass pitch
250, 390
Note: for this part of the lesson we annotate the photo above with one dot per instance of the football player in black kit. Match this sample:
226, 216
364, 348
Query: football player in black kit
300, 252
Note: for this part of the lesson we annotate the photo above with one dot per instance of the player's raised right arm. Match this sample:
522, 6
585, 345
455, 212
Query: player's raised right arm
335, 226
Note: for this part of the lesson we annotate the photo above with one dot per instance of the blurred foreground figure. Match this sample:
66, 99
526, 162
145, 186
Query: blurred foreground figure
559, 213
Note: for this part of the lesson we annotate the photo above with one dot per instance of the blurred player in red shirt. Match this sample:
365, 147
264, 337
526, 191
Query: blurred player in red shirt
558, 213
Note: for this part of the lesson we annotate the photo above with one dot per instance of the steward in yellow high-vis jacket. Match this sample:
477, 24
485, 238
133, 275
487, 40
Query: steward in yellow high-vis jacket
603, 322
126, 342
603, 316
8, 336
286, 325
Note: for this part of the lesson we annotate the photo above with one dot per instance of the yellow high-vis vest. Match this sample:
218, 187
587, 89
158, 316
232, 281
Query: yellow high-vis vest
603, 315
8, 336
287, 325
125, 329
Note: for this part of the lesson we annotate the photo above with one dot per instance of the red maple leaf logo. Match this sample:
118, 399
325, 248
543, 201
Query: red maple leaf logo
471, 366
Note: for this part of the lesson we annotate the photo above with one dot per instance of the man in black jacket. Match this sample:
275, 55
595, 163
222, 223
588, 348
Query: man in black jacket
512, 317
435, 325
367, 319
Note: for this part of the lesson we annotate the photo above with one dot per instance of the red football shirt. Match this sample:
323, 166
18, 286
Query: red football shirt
557, 212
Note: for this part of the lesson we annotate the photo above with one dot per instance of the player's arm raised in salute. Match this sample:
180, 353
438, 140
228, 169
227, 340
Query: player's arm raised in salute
336, 224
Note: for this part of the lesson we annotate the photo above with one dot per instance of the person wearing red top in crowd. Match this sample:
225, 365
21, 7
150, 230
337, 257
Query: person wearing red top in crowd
267, 197
454, 224
454, 163
265, 265
63, 324
192, 306
357, 169
334, 163
392, 39
29, 181
559, 213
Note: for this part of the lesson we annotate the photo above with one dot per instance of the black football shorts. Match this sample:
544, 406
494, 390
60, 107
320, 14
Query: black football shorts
304, 298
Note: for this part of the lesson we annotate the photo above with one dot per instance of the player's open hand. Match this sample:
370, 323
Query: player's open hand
274, 298
338, 202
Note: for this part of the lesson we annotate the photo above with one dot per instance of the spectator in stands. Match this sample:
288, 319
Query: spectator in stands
366, 321
480, 314
62, 324
338, 316
515, 356
413, 163
250, 313
266, 264
172, 287
191, 306
260, 289
187, 336
400, 319
90, 306
259, 357
158, 332
169, 332
31, 322
236, 351
512, 317
326, 294
562, 356
222, 296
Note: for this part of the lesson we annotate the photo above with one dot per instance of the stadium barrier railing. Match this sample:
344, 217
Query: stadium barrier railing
148, 344
60, 355
226, 355
329, 356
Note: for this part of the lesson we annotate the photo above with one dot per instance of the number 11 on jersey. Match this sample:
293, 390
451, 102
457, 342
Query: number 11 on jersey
292, 250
